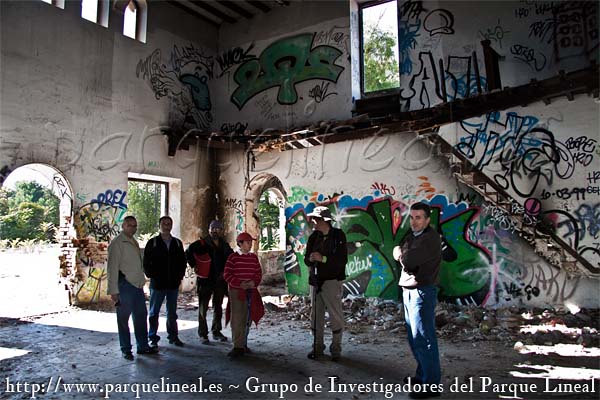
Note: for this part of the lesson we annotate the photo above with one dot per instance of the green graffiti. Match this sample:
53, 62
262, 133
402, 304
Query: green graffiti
374, 230
470, 271
298, 194
285, 63
298, 228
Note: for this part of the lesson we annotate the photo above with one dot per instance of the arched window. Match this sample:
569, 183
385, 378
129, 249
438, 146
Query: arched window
95, 11
57, 3
134, 25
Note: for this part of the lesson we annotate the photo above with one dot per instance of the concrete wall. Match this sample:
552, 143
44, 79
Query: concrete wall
282, 71
520, 32
86, 100
89, 102
369, 184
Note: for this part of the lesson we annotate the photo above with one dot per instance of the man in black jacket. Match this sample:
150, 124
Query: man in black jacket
326, 255
214, 285
420, 255
164, 264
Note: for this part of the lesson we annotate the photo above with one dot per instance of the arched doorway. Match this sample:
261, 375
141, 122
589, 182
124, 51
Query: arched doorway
36, 203
266, 196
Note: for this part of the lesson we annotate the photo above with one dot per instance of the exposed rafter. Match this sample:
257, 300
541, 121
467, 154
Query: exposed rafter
259, 5
205, 6
191, 11
236, 8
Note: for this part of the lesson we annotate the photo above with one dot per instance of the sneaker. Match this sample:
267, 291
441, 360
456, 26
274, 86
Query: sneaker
236, 352
154, 343
219, 336
177, 342
205, 340
128, 356
149, 350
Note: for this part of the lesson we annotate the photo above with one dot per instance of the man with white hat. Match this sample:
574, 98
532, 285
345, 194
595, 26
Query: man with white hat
326, 255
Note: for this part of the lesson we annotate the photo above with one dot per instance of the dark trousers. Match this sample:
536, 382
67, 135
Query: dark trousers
132, 303
156, 299
217, 292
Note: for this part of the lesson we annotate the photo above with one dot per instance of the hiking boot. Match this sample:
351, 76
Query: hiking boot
149, 350
236, 352
176, 342
219, 336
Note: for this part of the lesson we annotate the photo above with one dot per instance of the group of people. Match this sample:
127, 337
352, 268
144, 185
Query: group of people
164, 262
237, 273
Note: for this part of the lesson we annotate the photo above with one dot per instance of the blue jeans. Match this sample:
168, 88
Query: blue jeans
132, 303
156, 299
419, 314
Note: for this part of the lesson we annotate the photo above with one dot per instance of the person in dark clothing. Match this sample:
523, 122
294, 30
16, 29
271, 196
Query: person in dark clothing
420, 255
212, 285
164, 264
326, 255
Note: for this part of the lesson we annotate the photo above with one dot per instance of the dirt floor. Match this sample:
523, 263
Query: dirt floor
47, 348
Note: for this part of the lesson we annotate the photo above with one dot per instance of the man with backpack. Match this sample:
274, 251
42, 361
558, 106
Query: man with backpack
210, 283
164, 264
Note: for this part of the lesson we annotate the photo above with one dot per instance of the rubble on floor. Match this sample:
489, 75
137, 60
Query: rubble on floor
457, 322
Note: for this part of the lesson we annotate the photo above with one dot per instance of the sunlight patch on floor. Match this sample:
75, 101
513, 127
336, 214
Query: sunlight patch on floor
555, 372
98, 321
6, 352
565, 350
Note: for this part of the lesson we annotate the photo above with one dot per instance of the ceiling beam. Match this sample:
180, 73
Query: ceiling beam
235, 8
216, 12
260, 5
190, 11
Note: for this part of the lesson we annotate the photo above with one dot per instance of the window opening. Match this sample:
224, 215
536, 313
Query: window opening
379, 44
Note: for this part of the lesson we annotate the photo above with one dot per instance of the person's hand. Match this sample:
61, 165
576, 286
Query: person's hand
312, 280
315, 256
247, 285
397, 253
115, 298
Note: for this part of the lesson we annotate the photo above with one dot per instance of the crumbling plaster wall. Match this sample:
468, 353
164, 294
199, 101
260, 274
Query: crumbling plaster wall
288, 68
87, 100
532, 40
369, 184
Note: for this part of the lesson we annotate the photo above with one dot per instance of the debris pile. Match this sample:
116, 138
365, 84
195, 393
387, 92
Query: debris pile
458, 322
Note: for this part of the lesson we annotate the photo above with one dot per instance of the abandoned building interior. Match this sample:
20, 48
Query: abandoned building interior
493, 121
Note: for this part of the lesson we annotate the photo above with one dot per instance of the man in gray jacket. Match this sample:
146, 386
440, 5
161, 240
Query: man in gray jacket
420, 255
125, 285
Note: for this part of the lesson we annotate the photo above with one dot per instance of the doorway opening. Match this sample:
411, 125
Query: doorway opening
36, 257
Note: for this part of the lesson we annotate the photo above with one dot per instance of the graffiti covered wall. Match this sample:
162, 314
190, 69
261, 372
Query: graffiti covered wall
369, 186
291, 77
91, 102
546, 157
443, 43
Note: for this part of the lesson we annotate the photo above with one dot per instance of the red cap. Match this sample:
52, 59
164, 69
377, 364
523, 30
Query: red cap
242, 237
